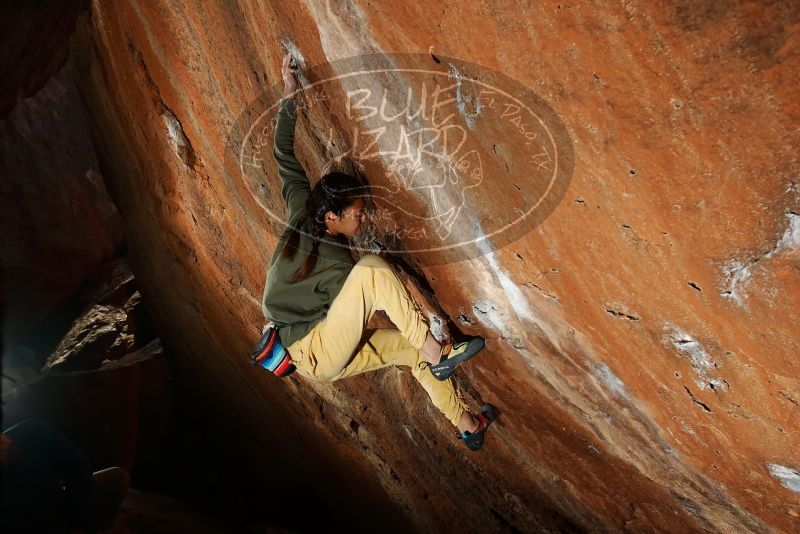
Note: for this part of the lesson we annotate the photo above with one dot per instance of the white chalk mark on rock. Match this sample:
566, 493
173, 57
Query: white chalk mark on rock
487, 313
788, 477
435, 324
512, 291
737, 273
611, 381
461, 100
790, 240
180, 144
698, 356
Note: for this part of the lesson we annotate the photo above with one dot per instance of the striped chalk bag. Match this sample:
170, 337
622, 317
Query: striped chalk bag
270, 353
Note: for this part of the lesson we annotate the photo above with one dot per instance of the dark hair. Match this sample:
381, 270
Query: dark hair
334, 192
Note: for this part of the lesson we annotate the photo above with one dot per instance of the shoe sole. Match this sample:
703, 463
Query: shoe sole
442, 371
475, 444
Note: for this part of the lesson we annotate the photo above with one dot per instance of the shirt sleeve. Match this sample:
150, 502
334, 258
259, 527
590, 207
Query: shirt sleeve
295, 188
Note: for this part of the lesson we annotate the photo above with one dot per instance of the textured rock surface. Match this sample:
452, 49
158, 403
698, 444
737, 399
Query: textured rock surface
119, 415
641, 347
149, 512
59, 226
113, 325
33, 48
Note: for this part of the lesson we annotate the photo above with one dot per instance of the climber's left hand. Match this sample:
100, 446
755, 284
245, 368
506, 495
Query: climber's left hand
289, 81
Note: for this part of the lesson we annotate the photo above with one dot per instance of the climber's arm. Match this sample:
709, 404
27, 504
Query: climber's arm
295, 188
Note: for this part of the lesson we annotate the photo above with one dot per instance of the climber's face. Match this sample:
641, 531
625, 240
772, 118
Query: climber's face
351, 219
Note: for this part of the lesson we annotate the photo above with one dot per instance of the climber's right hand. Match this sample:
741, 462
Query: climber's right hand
289, 81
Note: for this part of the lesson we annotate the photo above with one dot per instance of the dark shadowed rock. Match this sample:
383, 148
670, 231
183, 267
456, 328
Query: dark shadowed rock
34, 46
59, 229
113, 325
118, 415
144, 511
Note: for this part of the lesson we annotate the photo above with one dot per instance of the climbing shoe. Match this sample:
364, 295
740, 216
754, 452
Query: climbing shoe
474, 440
454, 354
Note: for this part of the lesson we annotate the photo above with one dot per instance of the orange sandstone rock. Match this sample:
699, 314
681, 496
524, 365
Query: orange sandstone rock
641, 339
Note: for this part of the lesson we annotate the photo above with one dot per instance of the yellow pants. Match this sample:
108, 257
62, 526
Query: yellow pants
334, 348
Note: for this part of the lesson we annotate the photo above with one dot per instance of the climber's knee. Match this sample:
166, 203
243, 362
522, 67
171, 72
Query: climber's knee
324, 375
327, 373
372, 260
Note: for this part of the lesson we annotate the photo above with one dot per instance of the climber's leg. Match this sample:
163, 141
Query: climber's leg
332, 343
432, 349
387, 346
467, 423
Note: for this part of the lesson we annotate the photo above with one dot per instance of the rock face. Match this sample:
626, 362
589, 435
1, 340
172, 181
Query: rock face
641, 347
113, 325
59, 226
34, 46
121, 414
147, 512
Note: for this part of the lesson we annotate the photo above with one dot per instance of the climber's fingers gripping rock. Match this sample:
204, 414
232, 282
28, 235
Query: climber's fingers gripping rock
289, 81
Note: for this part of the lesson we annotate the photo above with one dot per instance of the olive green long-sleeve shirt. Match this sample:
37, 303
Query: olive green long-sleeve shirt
305, 302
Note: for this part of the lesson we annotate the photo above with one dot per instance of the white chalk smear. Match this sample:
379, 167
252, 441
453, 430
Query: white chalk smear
174, 130
697, 354
435, 325
790, 240
461, 100
788, 477
737, 273
487, 313
611, 381
512, 291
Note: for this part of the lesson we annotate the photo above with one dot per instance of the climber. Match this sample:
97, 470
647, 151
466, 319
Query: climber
322, 299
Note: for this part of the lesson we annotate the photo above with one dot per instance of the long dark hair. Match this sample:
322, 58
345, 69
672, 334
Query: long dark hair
334, 192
